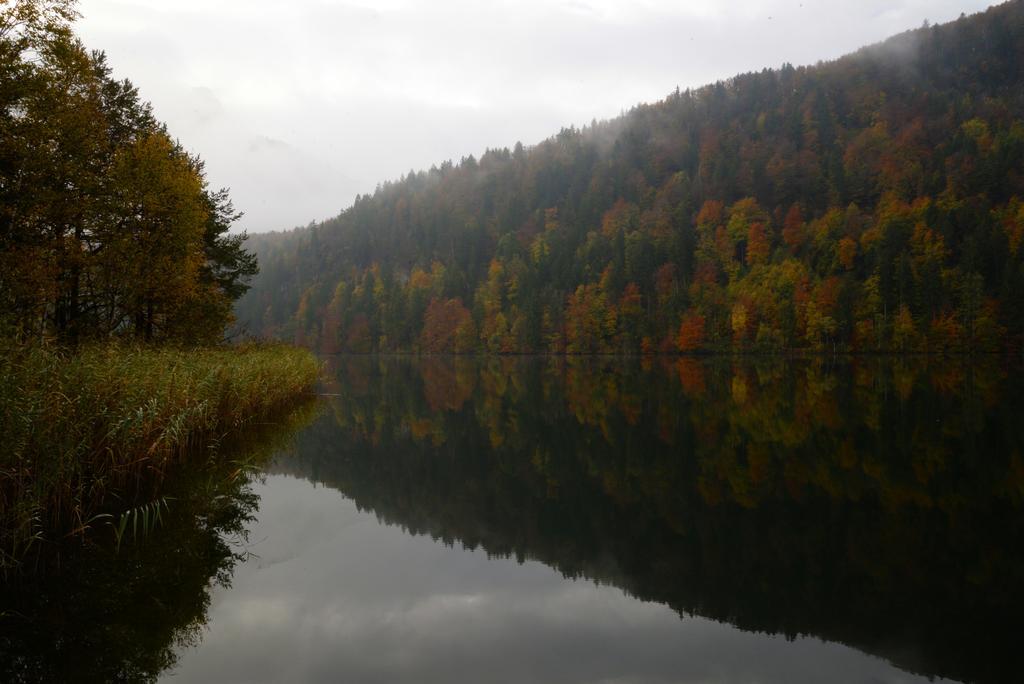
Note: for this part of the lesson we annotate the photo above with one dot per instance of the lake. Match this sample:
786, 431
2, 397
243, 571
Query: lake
582, 520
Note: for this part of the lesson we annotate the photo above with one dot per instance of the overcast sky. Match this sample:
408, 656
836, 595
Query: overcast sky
299, 106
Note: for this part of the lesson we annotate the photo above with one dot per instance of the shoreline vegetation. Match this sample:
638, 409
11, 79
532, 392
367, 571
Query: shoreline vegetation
119, 271
93, 434
152, 595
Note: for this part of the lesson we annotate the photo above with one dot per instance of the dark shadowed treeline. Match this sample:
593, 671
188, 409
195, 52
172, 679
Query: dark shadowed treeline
107, 226
797, 498
871, 203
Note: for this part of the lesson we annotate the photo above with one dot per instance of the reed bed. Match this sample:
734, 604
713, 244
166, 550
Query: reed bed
88, 434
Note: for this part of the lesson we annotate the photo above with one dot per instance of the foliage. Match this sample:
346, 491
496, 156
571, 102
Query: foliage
94, 433
107, 226
447, 327
872, 203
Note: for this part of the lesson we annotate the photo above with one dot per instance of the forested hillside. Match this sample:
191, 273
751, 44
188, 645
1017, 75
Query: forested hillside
873, 203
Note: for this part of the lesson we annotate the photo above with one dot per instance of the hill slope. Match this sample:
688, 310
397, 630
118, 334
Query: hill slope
870, 203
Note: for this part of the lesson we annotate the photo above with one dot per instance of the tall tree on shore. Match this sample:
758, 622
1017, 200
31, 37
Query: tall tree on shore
107, 226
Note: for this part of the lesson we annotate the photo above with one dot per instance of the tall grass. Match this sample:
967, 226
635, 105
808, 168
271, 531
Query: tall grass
87, 434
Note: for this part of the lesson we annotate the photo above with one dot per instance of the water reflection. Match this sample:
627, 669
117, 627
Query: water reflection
870, 503
335, 595
678, 520
103, 614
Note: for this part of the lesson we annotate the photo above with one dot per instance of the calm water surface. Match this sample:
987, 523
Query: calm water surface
531, 520
336, 595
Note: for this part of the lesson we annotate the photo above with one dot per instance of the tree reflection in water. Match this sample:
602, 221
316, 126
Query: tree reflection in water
874, 502
100, 614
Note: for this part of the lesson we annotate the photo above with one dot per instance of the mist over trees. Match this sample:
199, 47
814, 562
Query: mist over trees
107, 225
870, 203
